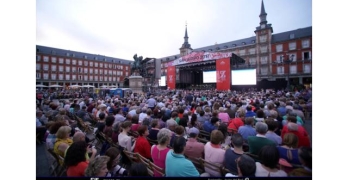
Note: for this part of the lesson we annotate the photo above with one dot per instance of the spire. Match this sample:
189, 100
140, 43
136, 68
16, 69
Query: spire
263, 14
186, 43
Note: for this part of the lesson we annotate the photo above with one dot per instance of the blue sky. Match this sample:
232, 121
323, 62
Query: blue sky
155, 28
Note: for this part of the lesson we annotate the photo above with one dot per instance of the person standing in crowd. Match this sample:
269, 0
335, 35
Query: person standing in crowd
151, 103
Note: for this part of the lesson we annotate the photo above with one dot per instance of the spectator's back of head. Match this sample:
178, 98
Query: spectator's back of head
179, 145
305, 155
237, 140
246, 166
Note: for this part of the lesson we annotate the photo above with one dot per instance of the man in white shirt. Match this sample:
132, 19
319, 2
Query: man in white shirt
151, 103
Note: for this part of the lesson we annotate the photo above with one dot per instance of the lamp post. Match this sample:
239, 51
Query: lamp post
288, 61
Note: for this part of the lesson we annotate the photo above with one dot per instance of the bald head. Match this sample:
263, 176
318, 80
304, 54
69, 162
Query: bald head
79, 136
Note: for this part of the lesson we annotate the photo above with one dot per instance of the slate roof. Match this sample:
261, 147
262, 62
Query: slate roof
298, 33
79, 55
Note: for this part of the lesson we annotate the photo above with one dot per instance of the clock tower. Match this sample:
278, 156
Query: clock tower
186, 47
263, 45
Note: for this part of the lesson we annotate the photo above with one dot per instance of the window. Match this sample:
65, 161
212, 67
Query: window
85, 57
307, 68
292, 46
80, 63
121, 73
38, 66
113, 78
80, 77
85, 78
38, 75
91, 78
53, 59
252, 51
252, 61
279, 59
293, 69
118, 79
127, 67
110, 65
110, 78
242, 52
100, 78
85, 63
45, 58
105, 78
61, 61
263, 38
67, 76
67, 61
100, 65
67, 54
73, 77
280, 70
73, 69
95, 71
105, 72
114, 72
306, 55
105, 65
61, 68
279, 48
45, 75
74, 62
100, 71
292, 36
38, 58
80, 70
90, 71
122, 67
264, 59
110, 72
53, 76
53, 67
264, 49
293, 57
126, 73
96, 64
305, 43
91, 64
67, 68
96, 78
61, 77
264, 70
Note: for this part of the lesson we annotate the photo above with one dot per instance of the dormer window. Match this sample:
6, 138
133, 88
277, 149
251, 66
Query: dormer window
292, 36
67, 54
95, 58
85, 57
243, 43
226, 47
234, 45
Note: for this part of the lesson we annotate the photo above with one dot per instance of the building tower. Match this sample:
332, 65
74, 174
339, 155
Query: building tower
186, 47
263, 45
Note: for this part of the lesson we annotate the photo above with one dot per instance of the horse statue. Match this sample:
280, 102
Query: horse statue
136, 65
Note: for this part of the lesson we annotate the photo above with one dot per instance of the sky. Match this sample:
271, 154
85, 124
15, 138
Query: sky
156, 28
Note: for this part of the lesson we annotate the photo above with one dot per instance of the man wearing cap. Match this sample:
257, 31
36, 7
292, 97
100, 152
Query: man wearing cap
193, 148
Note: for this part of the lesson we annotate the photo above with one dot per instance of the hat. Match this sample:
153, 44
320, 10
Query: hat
193, 130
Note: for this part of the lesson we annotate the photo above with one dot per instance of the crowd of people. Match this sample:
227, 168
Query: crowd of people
251, 133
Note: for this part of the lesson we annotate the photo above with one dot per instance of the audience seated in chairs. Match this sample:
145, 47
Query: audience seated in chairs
135, 123
269, 157
154, 129
247, 130
63, 141
142, 145
193, 148
176, 163
227, 138
289, 150
305, 156
234, 124
76, 159
97, 167
298, 130
109, 121
271, 135
159, 152
211, 125
260, 140
234, 153
246, 167
213, 152
51, 137
114, 169
126, 142
179, 132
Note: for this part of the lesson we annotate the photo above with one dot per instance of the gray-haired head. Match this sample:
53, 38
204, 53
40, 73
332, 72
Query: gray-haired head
261, 128
163, 136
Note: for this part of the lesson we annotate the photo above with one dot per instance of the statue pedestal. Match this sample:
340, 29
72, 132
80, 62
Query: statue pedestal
136, 83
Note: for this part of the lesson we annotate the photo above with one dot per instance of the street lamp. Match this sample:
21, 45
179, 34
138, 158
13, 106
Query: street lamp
288, 61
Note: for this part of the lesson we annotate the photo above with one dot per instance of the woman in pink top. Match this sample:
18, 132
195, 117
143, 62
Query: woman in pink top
214, 153
223, 115
159, 152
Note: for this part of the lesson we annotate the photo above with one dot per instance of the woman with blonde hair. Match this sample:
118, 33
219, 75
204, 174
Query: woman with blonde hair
63, 141
97, 167
289, 149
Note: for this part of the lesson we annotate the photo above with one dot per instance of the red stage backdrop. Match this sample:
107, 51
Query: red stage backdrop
223, 74
171, 78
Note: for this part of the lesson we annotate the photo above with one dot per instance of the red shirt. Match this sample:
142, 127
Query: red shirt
143, 147
78, 170
301, 133
235, 123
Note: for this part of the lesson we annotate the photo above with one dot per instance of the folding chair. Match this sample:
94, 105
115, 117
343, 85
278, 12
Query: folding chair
212, 166
152, 142
151, 167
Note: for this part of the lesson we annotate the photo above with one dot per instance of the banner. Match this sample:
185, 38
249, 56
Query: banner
223, 74
171, 78
198, 57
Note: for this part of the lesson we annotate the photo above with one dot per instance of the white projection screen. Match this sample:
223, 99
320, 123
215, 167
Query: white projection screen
163, 81
243, 77
209, 76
